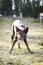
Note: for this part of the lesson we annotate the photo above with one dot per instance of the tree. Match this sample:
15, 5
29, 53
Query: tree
18, 6
35, 5
0, 6
6, 7
37, 2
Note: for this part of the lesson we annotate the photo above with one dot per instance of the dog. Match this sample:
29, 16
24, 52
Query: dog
19, 32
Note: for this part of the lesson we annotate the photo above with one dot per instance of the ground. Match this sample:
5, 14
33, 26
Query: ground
21, 56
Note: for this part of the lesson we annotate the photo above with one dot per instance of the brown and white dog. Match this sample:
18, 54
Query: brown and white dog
19, 32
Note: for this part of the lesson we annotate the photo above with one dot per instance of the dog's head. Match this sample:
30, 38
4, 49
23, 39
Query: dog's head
21, 34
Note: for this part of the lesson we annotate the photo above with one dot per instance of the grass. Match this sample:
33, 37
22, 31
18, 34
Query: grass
40, 43
22, 56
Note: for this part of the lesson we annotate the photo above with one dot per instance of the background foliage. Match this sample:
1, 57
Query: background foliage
27, 8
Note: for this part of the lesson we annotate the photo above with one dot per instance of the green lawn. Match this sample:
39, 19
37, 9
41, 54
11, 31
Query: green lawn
22, 56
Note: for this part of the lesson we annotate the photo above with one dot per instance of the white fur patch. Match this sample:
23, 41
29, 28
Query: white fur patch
19, 24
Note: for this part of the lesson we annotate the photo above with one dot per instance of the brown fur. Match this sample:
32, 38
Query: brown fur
15, 39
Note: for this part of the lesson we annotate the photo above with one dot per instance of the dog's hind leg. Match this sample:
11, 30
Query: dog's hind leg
19, 45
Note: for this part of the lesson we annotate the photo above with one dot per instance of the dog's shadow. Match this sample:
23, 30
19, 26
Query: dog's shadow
33, 53
26, 53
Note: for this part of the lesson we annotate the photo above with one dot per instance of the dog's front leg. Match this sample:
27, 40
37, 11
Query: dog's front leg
12, 33
27, 45
12, 37
13, 44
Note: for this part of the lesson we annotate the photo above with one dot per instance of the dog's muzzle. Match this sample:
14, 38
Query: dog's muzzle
21, 37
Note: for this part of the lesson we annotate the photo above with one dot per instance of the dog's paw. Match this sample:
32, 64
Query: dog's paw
31, 52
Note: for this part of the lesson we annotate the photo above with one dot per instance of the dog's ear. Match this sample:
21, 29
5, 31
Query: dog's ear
17, 29
26, 30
